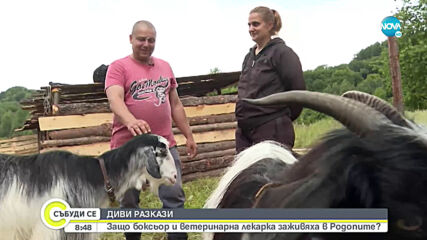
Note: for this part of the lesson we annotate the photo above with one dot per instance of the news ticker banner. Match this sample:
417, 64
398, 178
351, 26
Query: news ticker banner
57, 214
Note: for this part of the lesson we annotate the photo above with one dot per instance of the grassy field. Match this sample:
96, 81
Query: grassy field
306, 135
198, 191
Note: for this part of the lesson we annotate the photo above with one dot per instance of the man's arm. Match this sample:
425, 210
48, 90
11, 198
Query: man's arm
180, 119
115, 95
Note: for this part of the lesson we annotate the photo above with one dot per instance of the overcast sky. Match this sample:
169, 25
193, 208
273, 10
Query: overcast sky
64, 41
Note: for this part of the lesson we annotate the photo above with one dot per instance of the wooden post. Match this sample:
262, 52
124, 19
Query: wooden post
39, 139
55, 93
396, 82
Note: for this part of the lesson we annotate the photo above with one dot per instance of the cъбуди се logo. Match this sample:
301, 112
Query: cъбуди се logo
390, 26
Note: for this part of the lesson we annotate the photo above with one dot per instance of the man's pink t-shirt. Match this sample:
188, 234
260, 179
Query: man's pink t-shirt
146, 89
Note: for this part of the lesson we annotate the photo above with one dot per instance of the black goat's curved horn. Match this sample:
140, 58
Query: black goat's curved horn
356, 116
380, 105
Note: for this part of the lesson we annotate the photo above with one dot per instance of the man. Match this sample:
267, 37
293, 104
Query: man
141, 90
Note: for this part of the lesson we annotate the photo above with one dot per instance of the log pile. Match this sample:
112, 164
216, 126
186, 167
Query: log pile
64, 99
77, 118
21, 145
213, 124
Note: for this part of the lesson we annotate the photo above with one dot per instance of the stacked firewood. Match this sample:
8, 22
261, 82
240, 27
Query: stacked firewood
77, 118
71, 99
22, 145
65, 99
211, 119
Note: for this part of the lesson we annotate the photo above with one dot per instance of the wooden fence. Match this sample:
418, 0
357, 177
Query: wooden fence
211, 119
20, 145
77, 118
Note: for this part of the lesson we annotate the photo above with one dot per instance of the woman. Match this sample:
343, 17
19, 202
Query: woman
269, 67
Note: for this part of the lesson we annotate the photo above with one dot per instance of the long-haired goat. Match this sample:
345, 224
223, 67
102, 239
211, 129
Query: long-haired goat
27, 182
378, 161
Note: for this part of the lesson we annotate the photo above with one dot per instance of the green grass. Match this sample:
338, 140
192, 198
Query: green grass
198, 191
306, 135
419, 116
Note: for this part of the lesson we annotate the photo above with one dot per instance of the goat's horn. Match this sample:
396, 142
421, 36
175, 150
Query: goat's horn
356, 116
380, 105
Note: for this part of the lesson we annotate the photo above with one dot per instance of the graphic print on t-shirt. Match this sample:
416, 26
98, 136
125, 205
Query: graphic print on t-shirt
146, 89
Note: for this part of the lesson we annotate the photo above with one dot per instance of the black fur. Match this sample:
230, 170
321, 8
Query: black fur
70, 167
387, 169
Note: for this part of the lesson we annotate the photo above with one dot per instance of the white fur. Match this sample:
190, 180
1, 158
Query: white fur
245, 159
248, 157
20, 215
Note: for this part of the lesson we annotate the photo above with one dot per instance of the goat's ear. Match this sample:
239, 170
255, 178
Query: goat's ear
153, 167
361, 185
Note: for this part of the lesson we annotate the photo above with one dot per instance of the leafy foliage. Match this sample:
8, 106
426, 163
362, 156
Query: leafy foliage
11, 114
413, 53
369, 71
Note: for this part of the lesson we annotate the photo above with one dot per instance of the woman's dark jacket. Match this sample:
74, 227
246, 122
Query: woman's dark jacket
275, 69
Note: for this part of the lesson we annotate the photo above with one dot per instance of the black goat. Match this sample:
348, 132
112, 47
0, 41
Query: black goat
379, 161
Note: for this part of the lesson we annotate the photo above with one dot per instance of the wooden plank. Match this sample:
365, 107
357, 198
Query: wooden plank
15, 150
207, 155
209, 147
28, 152
18, 144
207, 164
228, 117
20, 138
6, 145
201, 79
94, 149
79, 88
206, 137
97, 100
204, 88
209, 127
95, 119
197, 175
204, 110
74, 141
76, 107
101, 130
74, 121
83, 108
82, 95
26, 147
208, 100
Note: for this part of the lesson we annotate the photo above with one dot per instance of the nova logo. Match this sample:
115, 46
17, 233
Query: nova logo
390, 26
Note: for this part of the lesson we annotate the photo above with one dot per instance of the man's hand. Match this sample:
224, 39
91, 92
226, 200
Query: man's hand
115, 96
138, 127
191, 148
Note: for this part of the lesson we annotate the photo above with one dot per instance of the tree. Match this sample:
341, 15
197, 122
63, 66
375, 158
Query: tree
344, 73
371, 83
413, 53
214, 70
15, 94
11, 114
369, 52
6, 125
